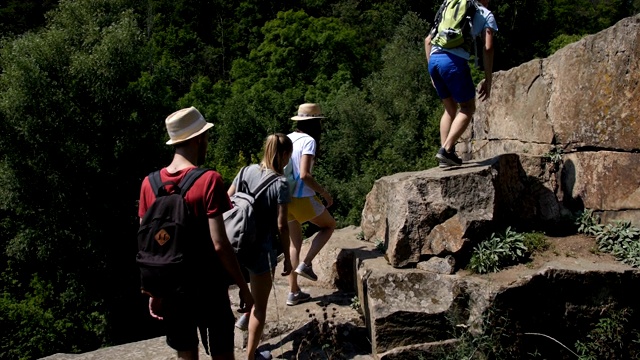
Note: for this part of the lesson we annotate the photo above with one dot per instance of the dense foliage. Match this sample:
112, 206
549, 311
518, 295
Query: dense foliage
86, 84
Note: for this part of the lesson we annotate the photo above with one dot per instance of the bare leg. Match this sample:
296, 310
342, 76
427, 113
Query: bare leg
327, 224
459, 124
450, 110
260, 289
295, 234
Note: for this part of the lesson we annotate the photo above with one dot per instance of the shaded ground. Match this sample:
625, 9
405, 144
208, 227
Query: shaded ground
326, 327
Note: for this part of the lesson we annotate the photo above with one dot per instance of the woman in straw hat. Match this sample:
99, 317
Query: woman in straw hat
305, 205
271, 210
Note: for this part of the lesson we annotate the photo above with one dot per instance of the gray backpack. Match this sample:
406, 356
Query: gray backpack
240, 221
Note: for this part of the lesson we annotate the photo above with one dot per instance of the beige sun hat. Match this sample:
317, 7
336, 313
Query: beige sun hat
308, 111
185, 124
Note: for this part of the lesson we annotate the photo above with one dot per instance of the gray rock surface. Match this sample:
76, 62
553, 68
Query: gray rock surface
583, 96
409, 310
288, 328
441, 212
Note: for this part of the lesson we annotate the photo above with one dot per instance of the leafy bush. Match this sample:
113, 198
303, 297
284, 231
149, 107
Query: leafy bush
499, 251
611, 338
618, 238
380, 246
588, 223
622, 240
554, 155
536, 242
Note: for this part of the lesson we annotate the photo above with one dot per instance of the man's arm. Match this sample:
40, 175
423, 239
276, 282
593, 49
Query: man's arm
229, 261
487, 54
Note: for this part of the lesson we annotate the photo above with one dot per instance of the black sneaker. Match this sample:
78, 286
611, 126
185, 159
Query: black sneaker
447, 159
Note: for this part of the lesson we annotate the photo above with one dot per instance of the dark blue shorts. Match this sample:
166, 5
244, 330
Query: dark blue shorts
210, 314
451, 76
266, 261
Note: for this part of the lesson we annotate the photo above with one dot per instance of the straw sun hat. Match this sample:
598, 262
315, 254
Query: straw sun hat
185, 124
308, 111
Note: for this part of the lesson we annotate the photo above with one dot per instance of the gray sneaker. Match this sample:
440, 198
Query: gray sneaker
306, 271
447, 159
263, 355
296, 298
243, 322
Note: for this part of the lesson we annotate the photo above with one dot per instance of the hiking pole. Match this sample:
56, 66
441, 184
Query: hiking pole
275, 297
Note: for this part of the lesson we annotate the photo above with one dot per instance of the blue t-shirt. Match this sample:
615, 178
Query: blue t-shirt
483, 19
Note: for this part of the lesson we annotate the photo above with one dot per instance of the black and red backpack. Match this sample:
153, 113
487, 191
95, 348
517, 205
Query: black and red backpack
167, 239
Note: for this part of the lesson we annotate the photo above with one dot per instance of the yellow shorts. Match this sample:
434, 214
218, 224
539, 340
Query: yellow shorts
304, 209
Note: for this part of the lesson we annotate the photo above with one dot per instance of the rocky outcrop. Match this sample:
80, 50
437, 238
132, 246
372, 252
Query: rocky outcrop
409, 310
582, 103
585, 96
440, 212
558, 135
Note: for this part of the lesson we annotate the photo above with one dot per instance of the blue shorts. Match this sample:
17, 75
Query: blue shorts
451, 76
266, 261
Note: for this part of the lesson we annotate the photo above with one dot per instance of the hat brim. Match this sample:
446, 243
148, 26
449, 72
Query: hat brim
206, 127
300, 118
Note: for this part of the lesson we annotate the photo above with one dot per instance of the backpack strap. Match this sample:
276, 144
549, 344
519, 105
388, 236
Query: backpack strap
156, 182
270, 180
189, 179
242, 185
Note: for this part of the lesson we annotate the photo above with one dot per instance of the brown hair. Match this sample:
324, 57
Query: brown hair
277, 150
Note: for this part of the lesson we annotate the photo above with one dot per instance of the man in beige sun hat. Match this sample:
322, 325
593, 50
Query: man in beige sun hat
305, 204
206, 306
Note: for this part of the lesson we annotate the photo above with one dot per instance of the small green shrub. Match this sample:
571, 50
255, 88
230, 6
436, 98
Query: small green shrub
355, 303
588, 223
554, 155
536, 242
622, 240
498, 251
380, 246
360, 236
618, 238
611, 338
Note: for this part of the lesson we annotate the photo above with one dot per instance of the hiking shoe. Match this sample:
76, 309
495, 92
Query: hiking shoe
263, 355
296, 298
306, 271
280, 258
243, 322
447, 159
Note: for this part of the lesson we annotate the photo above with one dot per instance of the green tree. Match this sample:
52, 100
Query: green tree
81, 124
389, 126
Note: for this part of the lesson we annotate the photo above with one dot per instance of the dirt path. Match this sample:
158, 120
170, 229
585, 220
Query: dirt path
325, 327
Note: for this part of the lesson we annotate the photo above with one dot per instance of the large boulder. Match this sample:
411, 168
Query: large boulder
581, 108
440, 212
582, 97
410, 311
